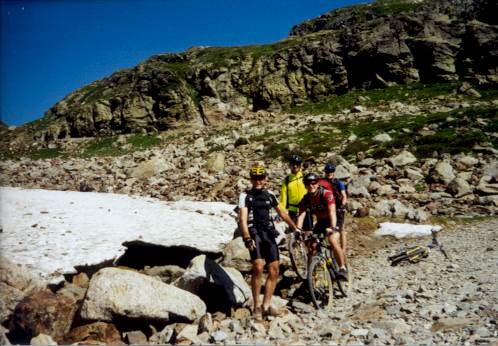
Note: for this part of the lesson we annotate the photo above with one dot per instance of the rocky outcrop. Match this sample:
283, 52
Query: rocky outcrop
358, 47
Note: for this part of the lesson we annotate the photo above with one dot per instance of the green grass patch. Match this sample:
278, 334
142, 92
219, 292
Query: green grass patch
101, 147
377, 97
456, 132
45, 153
384, 7
144, 141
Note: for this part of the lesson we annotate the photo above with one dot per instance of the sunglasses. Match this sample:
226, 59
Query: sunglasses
311, 183
258, 177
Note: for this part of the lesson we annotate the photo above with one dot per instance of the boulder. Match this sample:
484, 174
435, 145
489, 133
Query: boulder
3, 336
136, 337
236, 255
382, 138
43, 313
94, 334
392, 208
123, 293
402, 159
167, 273
219, 287
81, 280
442, 172
42, 339
467, 161
413, 173
458, 187
16, 281
358, 187
216, 162
487, 186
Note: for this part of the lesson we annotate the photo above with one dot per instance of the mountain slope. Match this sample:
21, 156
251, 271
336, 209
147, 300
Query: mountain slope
358, 47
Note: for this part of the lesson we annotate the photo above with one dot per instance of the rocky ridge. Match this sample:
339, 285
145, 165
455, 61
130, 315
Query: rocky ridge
431, 41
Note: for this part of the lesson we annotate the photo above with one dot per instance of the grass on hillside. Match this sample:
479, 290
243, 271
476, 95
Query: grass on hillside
377, 97
453, 132
109, 147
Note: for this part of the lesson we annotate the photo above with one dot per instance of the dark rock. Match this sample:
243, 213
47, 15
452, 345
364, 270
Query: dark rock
95, 333
42, 312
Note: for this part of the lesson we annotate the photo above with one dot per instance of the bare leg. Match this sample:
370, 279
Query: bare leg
336, 249
344, 241
257, 273
271, 283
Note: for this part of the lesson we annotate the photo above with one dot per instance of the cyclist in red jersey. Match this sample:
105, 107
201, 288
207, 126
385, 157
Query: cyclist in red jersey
321, 203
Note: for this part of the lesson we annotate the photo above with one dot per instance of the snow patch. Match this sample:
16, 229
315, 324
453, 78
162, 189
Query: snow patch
405, 230
51, 232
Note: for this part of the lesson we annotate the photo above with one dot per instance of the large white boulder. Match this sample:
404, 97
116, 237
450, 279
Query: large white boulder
118, 292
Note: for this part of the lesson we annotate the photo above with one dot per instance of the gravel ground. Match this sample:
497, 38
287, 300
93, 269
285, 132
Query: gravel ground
436, 301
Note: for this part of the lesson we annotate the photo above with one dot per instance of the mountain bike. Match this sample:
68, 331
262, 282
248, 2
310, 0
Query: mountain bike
298, 253
322, 273
414, 254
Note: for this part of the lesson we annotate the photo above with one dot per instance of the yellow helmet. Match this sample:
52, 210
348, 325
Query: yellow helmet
257, 170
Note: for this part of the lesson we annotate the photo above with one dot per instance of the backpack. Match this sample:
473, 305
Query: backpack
336, 190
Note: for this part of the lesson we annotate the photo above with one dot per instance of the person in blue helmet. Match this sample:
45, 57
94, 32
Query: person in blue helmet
338, 188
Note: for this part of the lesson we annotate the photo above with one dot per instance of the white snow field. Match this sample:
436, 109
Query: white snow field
52, 231
405, 230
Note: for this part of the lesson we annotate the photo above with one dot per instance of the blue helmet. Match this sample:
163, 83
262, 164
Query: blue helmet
329, 168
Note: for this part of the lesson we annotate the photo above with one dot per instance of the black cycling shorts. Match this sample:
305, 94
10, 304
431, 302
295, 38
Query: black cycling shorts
340, 219
266, 246
321, 226
308, 221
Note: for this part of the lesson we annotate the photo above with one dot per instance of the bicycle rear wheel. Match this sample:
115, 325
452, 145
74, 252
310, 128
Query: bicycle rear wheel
298, 254
320, 283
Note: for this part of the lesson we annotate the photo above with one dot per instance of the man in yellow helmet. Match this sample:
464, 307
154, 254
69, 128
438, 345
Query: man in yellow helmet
293, 191
259, 233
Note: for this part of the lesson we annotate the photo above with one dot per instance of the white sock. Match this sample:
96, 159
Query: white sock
343, 267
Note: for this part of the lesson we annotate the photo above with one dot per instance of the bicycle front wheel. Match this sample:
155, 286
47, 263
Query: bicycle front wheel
320, 283
298, 254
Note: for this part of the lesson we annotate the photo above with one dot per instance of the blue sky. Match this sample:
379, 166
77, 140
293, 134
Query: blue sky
52, 47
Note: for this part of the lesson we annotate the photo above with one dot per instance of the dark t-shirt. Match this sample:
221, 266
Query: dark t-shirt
259, 204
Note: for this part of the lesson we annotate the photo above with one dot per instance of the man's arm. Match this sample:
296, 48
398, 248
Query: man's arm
344, 198
244, 229
283, 196
285, 216
332, 215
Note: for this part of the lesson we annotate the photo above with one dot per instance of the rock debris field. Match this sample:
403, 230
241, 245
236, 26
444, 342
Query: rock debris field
206, 300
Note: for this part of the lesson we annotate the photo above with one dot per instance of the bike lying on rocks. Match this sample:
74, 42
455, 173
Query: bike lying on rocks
323, 273
414, 254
